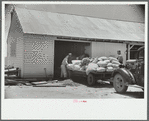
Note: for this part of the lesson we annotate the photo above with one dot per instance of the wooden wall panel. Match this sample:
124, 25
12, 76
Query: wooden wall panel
38, 54
108, 49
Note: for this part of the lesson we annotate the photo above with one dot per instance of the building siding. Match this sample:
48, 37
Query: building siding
15, 38
108, 49
38, 56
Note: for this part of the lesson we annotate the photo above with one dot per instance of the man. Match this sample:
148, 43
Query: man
64, 64
69, 58
120, 57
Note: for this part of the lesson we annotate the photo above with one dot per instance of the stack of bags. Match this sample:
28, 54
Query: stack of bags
80, 65
91, 68
75, 65
84, 64
103, 64
98, 64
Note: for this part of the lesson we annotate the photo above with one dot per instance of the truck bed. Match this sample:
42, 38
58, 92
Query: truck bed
99, 75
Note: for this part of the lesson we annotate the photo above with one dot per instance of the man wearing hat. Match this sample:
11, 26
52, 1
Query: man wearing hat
120, 57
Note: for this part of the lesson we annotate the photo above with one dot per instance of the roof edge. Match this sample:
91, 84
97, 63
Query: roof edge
15, 12
88, 39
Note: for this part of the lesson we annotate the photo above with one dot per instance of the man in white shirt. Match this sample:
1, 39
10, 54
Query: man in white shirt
120, 57
63, 66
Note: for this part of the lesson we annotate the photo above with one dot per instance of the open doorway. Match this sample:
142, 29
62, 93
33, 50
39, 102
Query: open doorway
133, 51
62, 48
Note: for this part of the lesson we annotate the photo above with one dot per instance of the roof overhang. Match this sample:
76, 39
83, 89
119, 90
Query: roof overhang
64, 26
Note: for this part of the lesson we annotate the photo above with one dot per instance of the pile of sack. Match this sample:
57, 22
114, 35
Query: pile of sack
79, 64
103, 64
98, 64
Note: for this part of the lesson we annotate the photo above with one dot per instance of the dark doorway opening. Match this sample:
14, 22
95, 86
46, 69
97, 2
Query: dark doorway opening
62, 48
133, 51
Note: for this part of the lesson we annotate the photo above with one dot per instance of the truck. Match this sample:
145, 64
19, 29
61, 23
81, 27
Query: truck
91, 78
132, 73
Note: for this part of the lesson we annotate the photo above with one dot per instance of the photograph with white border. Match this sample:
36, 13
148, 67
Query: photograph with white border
62, 60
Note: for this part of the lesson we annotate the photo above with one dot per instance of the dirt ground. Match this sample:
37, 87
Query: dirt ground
72, 90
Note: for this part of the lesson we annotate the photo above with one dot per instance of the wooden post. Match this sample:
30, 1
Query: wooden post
128, 51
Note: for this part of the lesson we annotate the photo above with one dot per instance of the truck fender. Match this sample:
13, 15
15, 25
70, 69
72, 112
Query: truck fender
126, 74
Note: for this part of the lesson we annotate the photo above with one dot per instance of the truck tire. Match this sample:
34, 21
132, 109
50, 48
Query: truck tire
119, 83
91, 80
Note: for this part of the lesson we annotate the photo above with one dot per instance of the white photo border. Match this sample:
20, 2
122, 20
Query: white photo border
94, 109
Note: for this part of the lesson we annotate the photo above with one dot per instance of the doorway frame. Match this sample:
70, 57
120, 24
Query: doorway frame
67, 40
129, 48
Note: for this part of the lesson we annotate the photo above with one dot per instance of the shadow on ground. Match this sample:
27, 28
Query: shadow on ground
133, 94
82, 81
102, 85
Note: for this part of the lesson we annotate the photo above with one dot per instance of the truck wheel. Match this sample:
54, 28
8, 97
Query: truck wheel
91, 80
119, 83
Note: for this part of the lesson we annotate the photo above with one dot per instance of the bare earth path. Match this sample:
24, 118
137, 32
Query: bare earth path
73, 90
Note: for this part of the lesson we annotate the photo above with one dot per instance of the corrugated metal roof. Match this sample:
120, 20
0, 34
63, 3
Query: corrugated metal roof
40, 22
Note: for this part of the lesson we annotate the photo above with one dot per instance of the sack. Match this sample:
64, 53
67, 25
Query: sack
91, 60
91, 67
104, 58
95, 60
102, 64
101, 69
83, 68
85, 61
115, 62
76, 67
109, 65
115, 66
112, 58
76, 62
107, 61
70, 66
109, 69
99, 59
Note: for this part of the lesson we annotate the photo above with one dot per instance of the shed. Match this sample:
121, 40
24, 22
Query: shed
38, 40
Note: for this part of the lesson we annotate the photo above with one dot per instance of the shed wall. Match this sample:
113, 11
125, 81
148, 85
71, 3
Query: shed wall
108, 49
38, 56
15, 43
